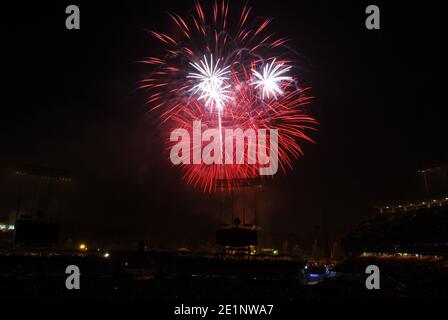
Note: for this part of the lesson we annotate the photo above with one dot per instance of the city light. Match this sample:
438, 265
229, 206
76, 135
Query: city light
7, 227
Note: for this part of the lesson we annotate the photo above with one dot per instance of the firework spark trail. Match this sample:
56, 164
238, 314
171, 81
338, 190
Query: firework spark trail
227, 75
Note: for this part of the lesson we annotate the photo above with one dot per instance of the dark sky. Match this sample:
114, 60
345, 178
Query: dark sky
69, 101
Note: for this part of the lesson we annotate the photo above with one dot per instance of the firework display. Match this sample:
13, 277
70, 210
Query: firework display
228, 72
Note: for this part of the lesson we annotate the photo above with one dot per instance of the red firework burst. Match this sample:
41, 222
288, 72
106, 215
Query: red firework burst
227, 76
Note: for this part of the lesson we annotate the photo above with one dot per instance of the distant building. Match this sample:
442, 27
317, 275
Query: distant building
6, 235
416, 226
40, 200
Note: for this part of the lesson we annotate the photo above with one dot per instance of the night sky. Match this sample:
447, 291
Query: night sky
70, 101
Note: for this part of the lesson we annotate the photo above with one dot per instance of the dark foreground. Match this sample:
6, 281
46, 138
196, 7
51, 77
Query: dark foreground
170, 277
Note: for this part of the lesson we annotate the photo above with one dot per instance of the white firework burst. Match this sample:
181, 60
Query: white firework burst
212, 83
270, 79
